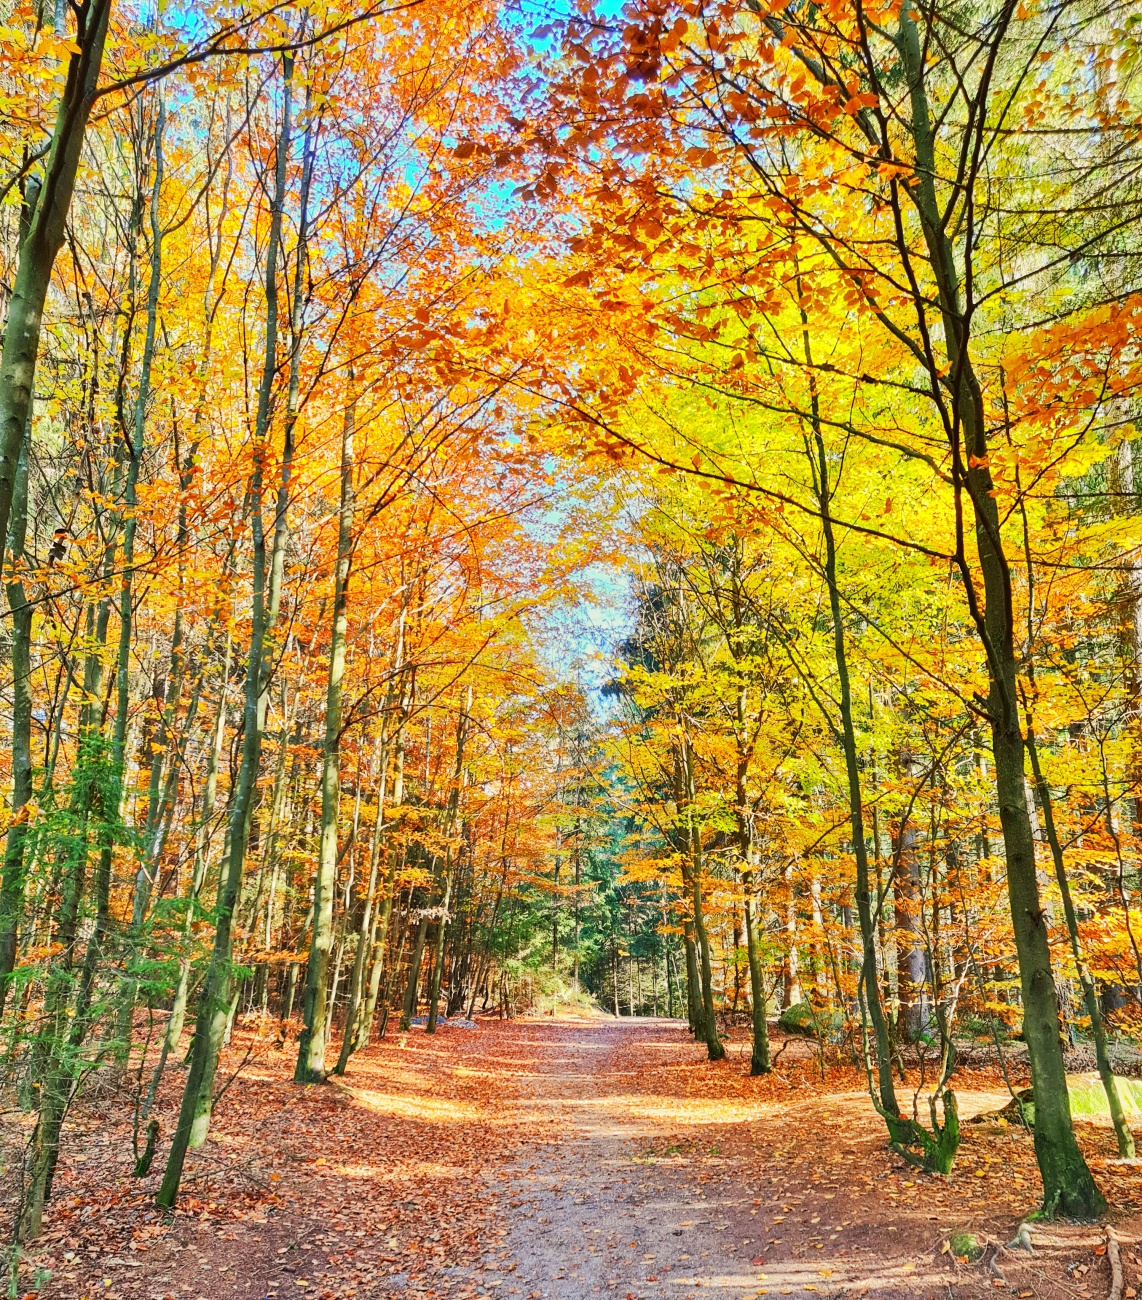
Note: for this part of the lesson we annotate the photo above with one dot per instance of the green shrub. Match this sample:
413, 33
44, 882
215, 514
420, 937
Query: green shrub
802, 1019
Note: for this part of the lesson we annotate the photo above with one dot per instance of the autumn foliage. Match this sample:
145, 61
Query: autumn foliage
355, 356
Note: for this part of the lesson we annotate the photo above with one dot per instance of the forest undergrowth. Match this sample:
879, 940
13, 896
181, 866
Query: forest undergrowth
419, 1174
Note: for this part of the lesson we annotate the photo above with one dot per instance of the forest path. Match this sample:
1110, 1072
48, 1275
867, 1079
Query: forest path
656, 1174
670, 1177
554, 1160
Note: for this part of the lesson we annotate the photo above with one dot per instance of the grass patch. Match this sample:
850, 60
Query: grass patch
965, 1246
1088, 1097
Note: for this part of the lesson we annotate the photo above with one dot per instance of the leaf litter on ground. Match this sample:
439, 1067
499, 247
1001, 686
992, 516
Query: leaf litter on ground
406, 1177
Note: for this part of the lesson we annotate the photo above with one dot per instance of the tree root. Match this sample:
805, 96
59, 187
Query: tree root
1114, 1254
994, 1253
1022, 1239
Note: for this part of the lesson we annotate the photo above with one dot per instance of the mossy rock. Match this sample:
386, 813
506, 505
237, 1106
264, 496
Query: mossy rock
1024, 1100
798, 1019
965, 1246
801, 1019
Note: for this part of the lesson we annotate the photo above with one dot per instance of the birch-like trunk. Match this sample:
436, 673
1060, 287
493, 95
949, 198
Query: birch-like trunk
315, 1028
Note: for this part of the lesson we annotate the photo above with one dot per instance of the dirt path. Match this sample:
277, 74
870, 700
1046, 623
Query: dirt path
670, 1177
552, 1161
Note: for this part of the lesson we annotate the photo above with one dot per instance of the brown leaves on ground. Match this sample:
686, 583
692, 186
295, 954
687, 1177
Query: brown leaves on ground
405, 1178
327, 1191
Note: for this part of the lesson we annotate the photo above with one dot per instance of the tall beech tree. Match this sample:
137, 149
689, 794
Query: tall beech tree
855, 149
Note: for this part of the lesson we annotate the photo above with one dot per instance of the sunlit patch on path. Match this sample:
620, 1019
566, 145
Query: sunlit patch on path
586, 1159
650, 1174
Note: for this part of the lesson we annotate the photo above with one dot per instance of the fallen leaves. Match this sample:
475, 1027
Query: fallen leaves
389, 1182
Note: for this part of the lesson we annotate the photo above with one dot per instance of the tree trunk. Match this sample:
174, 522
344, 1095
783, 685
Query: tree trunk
450, 821
45, 236
693, 983
1068, 1187
350, 1039
142, 889
214, 1000
384, 916
911, 955
1090, 994
790, 969
868, 985
412, 989
693, 866
759, 1057
15, 865
315, 1028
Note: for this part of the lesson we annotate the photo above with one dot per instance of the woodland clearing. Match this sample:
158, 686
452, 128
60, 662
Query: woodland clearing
563, 1158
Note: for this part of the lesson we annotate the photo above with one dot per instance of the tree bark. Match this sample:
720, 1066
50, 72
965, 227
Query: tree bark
44, 239
315, 1028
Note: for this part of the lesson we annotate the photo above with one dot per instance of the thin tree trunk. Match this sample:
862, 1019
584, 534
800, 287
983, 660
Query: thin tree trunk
759, 1062
1090, 993
15, 864
715, 1049
380, 936
868, 983
462, 724
412, 988
693, 983
143, 880
315, 1028
911, 954
365, 932
214, 1000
